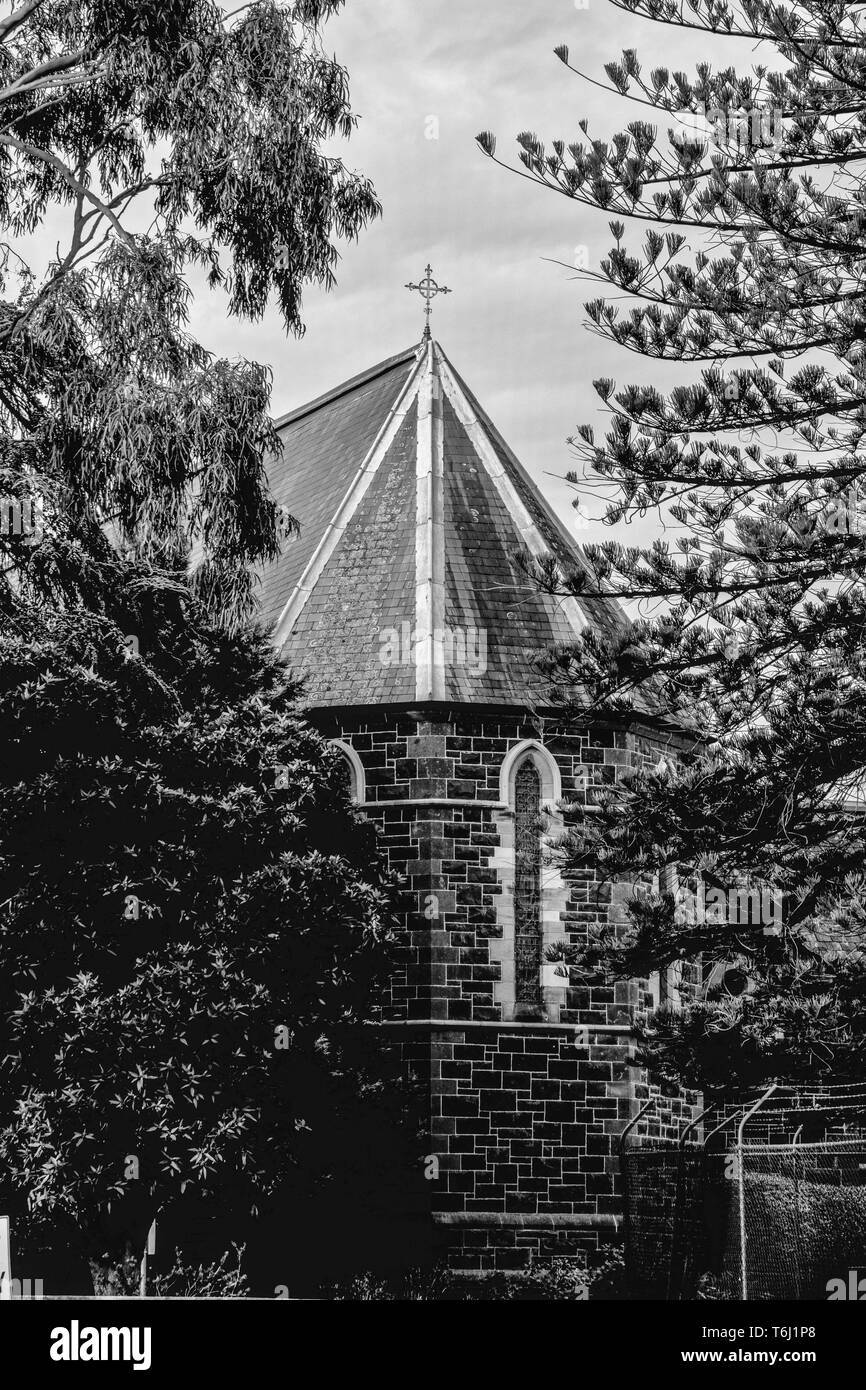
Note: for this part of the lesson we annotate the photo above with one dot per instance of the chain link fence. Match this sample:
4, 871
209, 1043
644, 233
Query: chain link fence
743, 1206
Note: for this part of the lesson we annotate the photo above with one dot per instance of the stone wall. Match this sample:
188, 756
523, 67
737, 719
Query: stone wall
525, 1116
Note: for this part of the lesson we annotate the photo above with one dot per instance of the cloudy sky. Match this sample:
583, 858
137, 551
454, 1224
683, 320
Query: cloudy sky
426, 76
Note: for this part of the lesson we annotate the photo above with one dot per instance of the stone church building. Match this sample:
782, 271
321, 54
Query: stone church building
405, 606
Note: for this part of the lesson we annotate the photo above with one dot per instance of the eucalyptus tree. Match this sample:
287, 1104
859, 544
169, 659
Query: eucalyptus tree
193, 920
139, 141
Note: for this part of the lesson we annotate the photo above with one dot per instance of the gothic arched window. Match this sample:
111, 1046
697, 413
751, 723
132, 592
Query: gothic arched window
527, 887
533, 895
355, 779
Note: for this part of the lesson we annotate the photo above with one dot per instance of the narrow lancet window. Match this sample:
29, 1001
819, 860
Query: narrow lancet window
527, 888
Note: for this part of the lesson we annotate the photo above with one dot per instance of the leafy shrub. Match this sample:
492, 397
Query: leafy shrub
415, 1285
565, 1281
558, 1280
217, 1280
116, 1278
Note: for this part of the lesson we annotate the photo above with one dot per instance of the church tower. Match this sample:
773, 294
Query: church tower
405, 607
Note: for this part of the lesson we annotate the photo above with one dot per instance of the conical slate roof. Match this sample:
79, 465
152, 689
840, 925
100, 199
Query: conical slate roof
405, 585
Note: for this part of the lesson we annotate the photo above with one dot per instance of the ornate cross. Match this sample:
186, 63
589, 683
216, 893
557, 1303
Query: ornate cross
429, 289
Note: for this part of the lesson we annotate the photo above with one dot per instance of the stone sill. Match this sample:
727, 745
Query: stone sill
537, 1026
577, 1221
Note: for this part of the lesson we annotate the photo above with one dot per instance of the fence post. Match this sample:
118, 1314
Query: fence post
627, 1233
748, 1115
798, 1233
5, 1259
149, 1249
677, 1256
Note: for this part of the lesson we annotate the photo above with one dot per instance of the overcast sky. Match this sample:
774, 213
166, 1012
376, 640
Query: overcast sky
513, 326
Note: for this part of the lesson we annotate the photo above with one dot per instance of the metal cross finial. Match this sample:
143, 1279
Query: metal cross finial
429, 289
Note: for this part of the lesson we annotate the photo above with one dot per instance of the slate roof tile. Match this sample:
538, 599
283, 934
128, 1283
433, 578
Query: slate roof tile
495, 620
